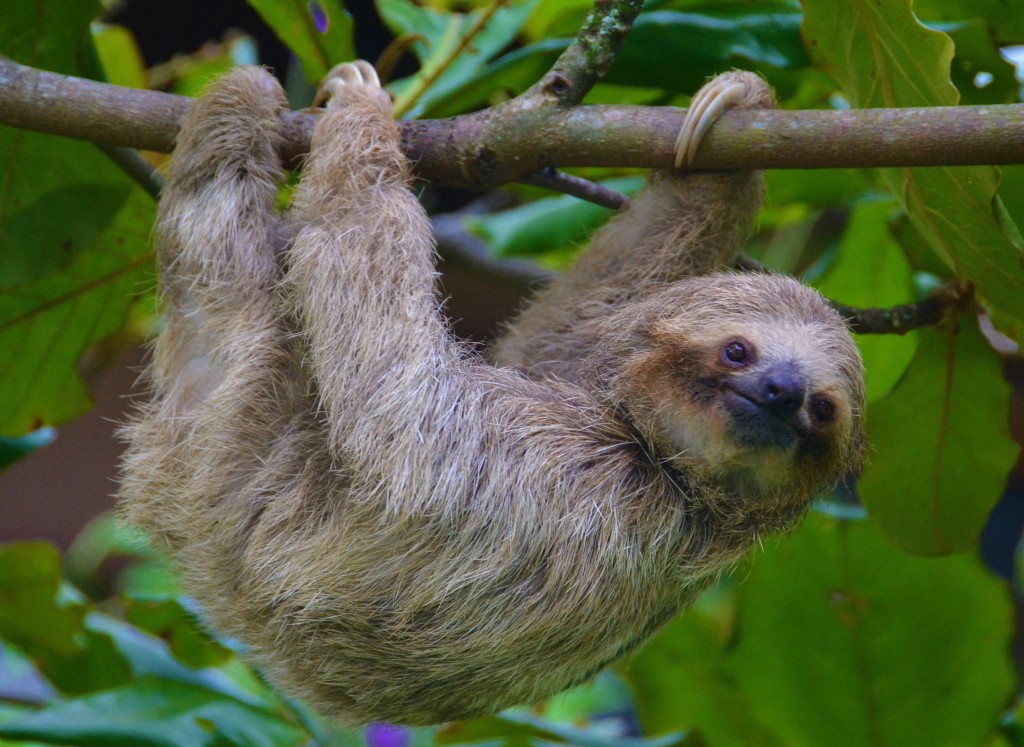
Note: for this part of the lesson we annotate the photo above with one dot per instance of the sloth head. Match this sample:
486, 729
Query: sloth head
749, 380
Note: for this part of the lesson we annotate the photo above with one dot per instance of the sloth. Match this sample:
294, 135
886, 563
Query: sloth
401, 530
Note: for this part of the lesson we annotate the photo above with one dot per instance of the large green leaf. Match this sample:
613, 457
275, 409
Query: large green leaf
51, 34
846, 640
944, 445
46, 324
684, 679
295, 24
871, 271
882, 56
155, 713
74, 234
55, 194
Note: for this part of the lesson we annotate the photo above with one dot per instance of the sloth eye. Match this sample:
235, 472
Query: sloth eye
737, 353
823, 409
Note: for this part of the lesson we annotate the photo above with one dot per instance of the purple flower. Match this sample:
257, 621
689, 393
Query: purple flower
386, 735
319, 17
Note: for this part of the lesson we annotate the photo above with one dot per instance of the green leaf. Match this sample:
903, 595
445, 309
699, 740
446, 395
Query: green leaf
13, 449
154, 713
74, 234
1002, 17
846, 640
679, 50
1011, 190
34, 244
55, 37
168, 620
816, 187
871, 271
45, 325
31, 614
547, 224
563, 18
977, 53
944, 445
148, 656
510, 74
442, 33
97, 664
882, 56
295, 25
682, 679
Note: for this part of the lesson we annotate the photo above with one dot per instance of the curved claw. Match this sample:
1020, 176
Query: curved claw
707, 106
356, 73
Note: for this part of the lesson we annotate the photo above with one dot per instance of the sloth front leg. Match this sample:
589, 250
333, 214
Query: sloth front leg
680, 225
222, 373
360, 282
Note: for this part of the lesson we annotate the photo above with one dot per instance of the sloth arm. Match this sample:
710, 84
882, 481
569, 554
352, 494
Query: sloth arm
679, 225
403, 400
223, 370
360, 279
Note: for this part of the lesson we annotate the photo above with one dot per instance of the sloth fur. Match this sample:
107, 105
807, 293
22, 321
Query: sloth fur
401, 531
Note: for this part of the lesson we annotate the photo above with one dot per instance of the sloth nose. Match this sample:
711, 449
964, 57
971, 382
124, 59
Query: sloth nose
783, 389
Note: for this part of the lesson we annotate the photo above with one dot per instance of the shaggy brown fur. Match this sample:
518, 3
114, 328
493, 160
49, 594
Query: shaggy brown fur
402, 532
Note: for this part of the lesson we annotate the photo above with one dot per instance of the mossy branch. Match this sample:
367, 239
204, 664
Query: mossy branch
494, 146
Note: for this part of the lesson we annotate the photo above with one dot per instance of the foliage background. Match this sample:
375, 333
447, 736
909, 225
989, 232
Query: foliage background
879, 630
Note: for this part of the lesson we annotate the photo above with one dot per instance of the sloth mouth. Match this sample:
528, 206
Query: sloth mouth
754, 425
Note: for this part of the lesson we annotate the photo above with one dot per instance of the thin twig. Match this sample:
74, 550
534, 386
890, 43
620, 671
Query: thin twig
584, 189
406, 101
137, 167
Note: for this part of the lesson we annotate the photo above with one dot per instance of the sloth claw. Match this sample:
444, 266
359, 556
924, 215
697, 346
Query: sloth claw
741, 90
707, 106
345, 76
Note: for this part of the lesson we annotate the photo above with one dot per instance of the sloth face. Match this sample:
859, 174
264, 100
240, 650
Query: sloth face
753, 380
771, 405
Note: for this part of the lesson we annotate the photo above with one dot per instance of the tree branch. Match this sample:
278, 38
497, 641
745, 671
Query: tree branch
898, 320
501, 144
589, 56
951, 296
